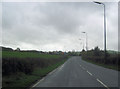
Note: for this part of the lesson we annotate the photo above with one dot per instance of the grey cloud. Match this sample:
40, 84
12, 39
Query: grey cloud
52, 26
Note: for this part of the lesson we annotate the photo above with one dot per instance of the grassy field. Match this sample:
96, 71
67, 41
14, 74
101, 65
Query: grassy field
21, 69
23, 81
15, 54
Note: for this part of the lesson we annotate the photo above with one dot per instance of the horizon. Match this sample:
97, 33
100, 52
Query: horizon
53, 50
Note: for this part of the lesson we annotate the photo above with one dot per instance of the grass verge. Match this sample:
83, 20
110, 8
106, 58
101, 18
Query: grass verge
21, 79
114, 67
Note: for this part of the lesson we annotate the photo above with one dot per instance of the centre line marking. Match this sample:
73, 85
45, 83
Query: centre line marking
89, 73
103, 84
83, 68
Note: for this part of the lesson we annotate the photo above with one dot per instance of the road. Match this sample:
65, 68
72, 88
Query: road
78, 73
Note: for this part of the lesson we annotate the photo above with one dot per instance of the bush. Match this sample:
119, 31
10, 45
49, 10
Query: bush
97, 55
97, 51
26, 65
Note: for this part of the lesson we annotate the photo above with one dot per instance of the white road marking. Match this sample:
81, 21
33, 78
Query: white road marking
61, 67
83, 68
103, 84
52, 71
37, 83
42, 79
89, 73
97, 79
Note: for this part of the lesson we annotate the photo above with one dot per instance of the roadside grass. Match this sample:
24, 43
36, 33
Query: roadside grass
97, 56
110, 66
44, 71
19, 81
26, 62
23, 81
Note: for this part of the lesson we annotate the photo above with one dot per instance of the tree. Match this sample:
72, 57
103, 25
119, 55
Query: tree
83, 50
96, 51
18, 49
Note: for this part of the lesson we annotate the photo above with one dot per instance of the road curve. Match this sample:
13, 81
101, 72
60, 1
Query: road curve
78, 73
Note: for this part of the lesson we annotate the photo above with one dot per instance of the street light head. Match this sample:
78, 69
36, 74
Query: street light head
97, 2
83, 32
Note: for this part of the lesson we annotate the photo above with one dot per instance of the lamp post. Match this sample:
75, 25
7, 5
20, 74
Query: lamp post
104, 26
83, 43
86, 40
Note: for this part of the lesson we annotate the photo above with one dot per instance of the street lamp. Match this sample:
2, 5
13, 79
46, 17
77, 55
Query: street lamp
86, 40
83, 43
104, 26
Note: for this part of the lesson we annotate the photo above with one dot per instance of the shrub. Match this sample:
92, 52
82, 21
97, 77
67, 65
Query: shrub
26, 65
97, 51
97, 55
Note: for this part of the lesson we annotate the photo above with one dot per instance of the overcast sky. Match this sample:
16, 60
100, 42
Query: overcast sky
49, 26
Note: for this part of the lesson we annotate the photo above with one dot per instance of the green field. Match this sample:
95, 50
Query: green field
15, 54
23, 81
22, 69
